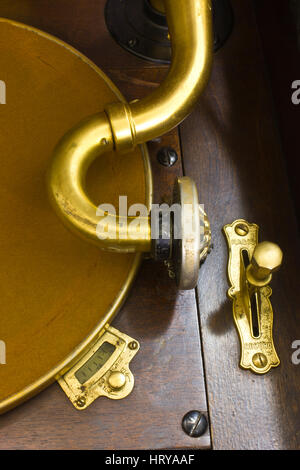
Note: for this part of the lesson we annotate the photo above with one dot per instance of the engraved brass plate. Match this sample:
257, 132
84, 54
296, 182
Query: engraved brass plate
102, 371
257, 348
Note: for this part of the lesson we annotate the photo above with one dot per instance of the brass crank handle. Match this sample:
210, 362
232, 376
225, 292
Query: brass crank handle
250, 269
122, 126
266, 259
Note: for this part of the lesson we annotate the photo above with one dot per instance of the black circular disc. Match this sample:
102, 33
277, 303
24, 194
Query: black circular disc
142, 30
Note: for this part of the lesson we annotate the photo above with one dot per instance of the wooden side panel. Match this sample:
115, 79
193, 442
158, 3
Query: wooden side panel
231, 146
278, 26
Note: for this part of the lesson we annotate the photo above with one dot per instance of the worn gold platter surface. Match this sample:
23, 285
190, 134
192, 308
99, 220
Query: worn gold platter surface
57, 292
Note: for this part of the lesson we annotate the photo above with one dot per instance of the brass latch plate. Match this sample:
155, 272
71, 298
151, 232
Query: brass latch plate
102, 371
257, 348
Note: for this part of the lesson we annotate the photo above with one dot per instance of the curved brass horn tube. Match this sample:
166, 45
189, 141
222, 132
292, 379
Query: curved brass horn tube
66, 176
123, 126
190, 27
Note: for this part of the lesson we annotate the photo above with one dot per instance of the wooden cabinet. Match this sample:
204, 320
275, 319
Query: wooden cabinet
232, 146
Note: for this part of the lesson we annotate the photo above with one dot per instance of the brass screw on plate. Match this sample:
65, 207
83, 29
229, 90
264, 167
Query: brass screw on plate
259, 360
81, 402
241, 229
133, 345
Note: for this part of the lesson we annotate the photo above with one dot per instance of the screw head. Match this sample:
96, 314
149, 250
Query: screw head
81, 402
133, 345
259, 360
194, 423
241, 229
167, 156
104, 142
132, 42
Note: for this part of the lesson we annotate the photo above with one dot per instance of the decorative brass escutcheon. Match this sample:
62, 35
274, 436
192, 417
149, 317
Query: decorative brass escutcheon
250, 268
103, 371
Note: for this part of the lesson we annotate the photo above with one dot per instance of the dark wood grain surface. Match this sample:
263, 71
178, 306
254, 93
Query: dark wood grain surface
168, 370
282, 57
231, 146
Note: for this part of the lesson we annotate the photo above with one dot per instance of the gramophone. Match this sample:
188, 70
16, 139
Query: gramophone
71, 148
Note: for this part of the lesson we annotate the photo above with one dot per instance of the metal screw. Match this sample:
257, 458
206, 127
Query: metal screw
170, 267
104, 142
133, 345
81, 402
241, 229
194, 423
156, 140
132, 42
167, 156
259, 360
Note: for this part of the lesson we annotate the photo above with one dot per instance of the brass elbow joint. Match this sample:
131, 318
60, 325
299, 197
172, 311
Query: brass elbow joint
66, 177
123, 126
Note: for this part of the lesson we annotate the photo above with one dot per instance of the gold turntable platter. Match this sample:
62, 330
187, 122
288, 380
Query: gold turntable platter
57, 292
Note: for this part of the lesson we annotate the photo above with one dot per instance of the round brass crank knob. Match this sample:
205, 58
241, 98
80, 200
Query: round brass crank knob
266, 259
184, 243
191, 234
116, 380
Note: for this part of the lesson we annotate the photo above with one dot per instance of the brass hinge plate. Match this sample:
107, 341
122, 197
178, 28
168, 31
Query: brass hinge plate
102, 371
257, 351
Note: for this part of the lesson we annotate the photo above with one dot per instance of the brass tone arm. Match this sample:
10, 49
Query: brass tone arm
66, 177
190, 28
122, 126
